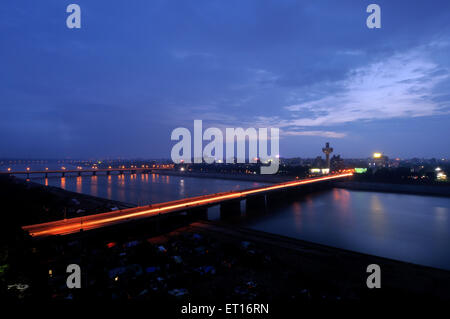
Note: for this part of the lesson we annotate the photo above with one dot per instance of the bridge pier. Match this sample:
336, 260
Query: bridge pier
295, 192
108, 173
79, 173
199, 213
94, 173
63, 174
276, 199
255, 204
46, 175
230, 208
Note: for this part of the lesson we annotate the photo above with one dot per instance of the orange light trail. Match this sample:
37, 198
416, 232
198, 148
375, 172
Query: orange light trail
73, 225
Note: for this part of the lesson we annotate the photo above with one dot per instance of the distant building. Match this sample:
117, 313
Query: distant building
337, 163
318, 162
440, 175
327, 150
319, 171
378, 160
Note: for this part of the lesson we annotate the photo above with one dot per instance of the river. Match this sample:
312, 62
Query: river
409, 228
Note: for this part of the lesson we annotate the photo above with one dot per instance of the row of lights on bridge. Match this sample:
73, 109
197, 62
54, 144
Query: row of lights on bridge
109, 167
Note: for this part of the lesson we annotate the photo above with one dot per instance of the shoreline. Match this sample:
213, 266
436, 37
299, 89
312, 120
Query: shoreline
399, 273
75, 204
423, 190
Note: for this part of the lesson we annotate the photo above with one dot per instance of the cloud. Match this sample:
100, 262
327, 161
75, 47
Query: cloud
351, 52
400, 86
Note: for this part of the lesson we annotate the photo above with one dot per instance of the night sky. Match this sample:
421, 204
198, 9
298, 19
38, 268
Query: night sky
138, 69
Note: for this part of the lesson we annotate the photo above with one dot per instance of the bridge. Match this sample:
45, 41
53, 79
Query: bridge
79, 171
228, 201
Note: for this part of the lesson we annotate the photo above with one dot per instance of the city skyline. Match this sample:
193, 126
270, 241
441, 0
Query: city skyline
118, 86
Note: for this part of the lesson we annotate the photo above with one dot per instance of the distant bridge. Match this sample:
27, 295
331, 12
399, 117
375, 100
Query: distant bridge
93, 171
229, 203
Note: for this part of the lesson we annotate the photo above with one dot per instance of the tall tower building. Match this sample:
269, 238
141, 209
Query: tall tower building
327, 150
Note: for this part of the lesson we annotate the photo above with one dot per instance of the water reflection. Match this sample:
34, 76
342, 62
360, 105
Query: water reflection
182, 192
94, 186
377, 215
403, 227
297, 208
109, 187
342, 198
143, 188
79, 188
441, 218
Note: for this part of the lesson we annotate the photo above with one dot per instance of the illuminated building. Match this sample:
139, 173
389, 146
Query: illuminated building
440, 175
378, 160
319, 171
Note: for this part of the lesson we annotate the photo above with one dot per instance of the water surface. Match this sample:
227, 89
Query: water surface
404, 227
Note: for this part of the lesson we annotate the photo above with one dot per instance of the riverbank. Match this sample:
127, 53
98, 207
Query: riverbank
37, 203
431, 190
345, 269
213, 263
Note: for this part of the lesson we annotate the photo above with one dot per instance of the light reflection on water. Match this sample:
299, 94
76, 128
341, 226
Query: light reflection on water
398, 226
142, 189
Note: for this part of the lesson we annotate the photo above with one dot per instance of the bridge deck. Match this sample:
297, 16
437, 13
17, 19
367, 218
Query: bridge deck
73, 225
89, 170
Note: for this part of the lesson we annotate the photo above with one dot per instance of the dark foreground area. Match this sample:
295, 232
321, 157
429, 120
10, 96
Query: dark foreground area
183, 261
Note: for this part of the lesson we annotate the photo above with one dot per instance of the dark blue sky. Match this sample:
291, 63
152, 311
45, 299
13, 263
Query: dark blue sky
138, 69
